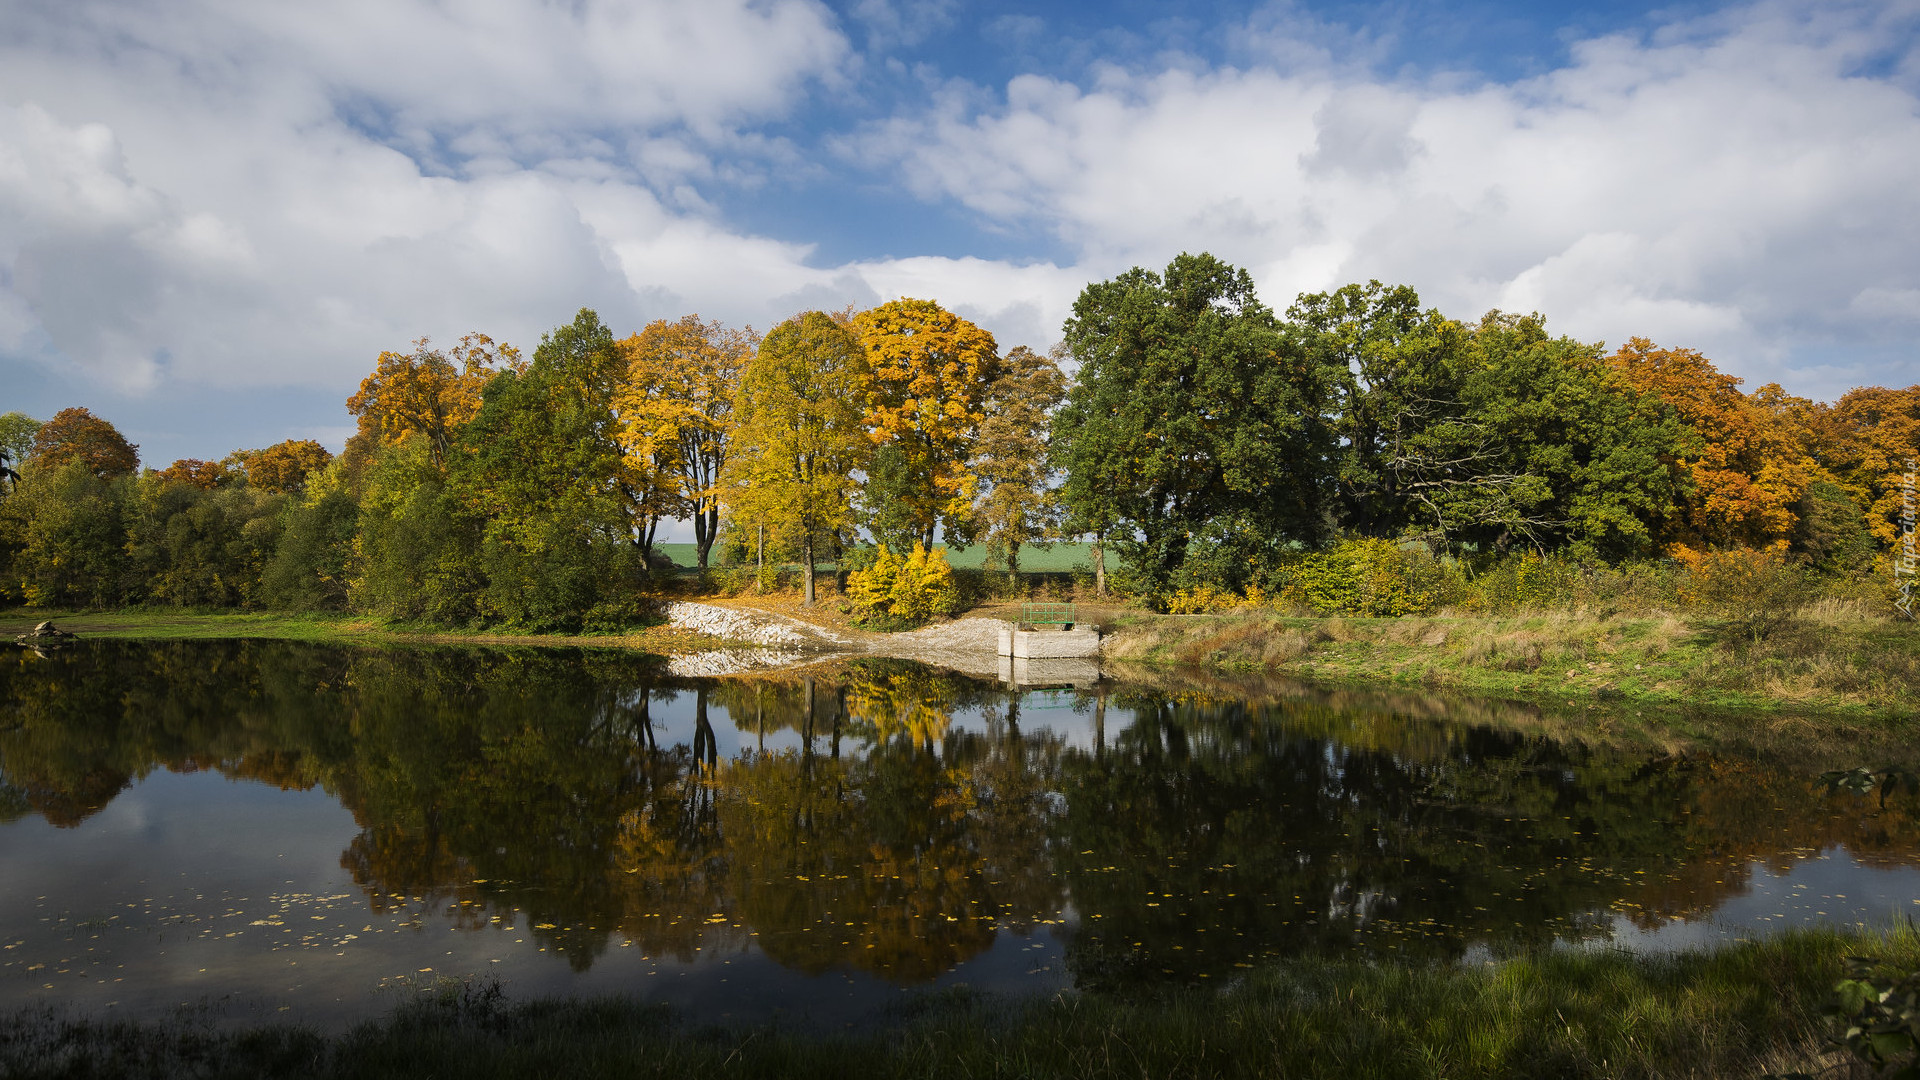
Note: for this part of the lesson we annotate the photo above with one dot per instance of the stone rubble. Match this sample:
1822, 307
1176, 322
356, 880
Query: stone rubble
734, 625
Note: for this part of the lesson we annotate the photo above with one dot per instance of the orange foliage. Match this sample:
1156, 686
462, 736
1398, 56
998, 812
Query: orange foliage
1871, 440
205, 475
284, 466
427, 392
1751, 462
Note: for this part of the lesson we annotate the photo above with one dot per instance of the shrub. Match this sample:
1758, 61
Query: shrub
1367, 577
909, 590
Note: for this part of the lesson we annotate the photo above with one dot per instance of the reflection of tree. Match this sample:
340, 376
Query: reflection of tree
529, 788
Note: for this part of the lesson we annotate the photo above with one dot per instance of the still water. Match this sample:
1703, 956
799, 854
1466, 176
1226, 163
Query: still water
271, 829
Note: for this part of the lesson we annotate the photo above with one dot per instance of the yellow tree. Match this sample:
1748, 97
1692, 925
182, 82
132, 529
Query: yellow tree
676, 411
800, 436
427, 392
1748, 466
925, 401
1871, 439
1019, 506
284, 466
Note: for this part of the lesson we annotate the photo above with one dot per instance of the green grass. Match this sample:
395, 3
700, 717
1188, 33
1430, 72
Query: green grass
1825, 662
1742, 1010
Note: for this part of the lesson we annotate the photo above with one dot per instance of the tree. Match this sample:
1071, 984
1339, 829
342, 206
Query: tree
282, 467
1010, 458
77, 433
676, 410
205, 475
17, 430
427, 392
1870, 440
801, 434
1192, 407
1396, 377
1746, 469
927, 396
1592, 461
67, 527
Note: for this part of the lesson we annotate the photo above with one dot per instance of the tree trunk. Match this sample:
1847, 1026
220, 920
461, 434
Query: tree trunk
1099, 569
806, 560
706, 526
760, 549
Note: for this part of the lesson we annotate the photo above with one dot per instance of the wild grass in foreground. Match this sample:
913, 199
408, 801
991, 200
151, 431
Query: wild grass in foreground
1828, 655
1744, 1010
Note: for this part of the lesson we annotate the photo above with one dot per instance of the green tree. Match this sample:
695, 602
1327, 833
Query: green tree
201, 546
800, 436
564, 523
1193, 406
17, 430
1011, 458
65, 529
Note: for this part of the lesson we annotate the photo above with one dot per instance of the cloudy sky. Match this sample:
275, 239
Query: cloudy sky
214, 214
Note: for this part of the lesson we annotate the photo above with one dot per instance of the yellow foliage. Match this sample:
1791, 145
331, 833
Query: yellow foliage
929, 371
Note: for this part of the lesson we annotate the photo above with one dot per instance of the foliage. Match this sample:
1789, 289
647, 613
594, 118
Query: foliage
1756, 591
66, 527
930, 371
1364, 577
676, 411
800, 437
310, 567
77, 433
282, 467
205, 475
16, 442
1192, 405
428, 393
417, 545
1745, 467
904, 590
1019, 505
194, 546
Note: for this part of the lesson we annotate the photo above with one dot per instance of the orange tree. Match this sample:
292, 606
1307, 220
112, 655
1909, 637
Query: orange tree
77, 433
930, 371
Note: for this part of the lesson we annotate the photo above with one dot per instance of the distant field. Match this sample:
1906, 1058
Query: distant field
1059, 557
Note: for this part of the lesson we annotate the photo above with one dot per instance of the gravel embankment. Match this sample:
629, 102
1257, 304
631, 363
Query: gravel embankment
755, 628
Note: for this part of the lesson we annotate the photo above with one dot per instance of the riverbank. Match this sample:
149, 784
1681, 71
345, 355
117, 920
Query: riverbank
1830, 658
163, 624
1743, 1010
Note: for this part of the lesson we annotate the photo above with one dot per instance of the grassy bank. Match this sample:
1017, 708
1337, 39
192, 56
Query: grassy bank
1830, 657
1743, 1010
162, 624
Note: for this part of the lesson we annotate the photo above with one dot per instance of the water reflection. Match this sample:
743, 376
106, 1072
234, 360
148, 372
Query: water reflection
887, 818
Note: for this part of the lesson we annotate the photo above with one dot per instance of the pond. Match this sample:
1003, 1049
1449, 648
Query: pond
274, 829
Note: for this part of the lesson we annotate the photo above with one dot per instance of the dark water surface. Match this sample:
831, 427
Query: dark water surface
311, 832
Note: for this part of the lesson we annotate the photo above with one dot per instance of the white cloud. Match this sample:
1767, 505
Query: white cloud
1732, 183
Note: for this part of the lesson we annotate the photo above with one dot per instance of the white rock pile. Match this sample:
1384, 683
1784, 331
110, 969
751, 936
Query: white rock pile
733, 625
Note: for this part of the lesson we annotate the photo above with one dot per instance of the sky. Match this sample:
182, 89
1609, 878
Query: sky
215, 214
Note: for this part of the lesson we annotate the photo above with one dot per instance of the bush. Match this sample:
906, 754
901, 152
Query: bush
1369, 578
1757, 592
910, 590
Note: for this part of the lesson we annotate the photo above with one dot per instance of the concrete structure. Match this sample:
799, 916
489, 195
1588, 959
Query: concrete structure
1049, 644
1023, 674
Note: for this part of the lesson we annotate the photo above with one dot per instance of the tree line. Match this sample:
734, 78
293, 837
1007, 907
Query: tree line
1205, 440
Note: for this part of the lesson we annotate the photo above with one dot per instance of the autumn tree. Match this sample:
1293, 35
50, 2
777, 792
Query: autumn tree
801, 434
1870, 441
428, 392
1194, 421
282, 467
205, 475
676, 411
1746, 469
77, 433
930, 371
1011, 456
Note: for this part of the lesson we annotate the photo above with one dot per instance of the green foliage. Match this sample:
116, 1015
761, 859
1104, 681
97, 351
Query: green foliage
65, 529
310, 568
200, 547
1193, 404
1366, 577
1881, 1011
418, 546
1831, 531
885, 502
